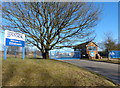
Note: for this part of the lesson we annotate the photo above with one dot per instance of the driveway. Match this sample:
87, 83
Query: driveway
107, 69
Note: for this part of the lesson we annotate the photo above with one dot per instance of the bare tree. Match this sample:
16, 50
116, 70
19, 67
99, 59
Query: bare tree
109, 43
118, 46
47, 24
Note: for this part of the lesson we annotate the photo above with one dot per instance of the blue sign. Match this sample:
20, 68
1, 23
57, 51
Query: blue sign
114, 54
14, 42
14, 39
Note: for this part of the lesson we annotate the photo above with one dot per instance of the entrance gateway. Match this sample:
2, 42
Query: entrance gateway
14, 39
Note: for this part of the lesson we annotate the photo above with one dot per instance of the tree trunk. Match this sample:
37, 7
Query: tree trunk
45, 55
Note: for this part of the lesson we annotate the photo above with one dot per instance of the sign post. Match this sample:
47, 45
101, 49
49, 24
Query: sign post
35, 54
5, 52
23, 53
14, 39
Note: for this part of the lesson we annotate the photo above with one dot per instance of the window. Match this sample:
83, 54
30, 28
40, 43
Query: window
91, 48
77, 49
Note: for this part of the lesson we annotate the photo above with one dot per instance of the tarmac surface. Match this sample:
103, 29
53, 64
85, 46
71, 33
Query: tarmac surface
111, 71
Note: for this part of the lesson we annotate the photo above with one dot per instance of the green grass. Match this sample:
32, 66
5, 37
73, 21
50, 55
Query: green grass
41, 72
115, 61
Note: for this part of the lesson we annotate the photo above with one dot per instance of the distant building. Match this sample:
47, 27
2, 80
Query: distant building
87, 49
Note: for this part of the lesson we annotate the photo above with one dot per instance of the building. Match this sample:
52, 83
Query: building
87, 49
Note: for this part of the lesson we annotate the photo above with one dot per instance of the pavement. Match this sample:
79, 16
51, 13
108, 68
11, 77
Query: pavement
111, 71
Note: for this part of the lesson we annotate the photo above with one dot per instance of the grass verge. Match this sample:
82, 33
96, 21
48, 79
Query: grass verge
41, 72
114, 61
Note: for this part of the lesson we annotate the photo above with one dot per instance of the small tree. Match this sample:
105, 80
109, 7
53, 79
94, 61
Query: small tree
108, 44
47, 24
118, 46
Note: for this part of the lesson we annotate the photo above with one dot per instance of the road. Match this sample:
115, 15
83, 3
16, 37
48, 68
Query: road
106, 69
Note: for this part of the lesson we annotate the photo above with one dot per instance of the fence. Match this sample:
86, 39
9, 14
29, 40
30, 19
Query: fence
65, 55
30, 52
114, 54
16, 52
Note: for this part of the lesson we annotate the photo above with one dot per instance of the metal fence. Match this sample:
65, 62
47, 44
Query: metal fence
65, 55
114, 54
16, 52
30, 52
